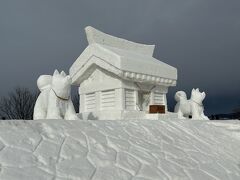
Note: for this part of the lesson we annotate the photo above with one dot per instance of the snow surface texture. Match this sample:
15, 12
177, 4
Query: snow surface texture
119, 150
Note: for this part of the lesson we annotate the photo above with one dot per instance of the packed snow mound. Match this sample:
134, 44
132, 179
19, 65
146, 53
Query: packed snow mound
119, 150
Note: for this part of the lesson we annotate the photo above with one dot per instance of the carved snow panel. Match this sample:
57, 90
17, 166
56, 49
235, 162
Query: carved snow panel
158, 98
130, 99
90, 102
107, 99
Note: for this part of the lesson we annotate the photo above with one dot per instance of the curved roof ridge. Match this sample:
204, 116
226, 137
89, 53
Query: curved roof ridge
96, 36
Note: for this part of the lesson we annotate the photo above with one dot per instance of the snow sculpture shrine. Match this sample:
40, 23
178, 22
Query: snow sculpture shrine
120, 79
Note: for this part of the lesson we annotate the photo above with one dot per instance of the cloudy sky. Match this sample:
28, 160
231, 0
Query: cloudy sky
199, 37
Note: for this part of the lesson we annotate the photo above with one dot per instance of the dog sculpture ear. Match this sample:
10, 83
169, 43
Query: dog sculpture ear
193, 92
63, 74
203, 95
55, 72
197, 89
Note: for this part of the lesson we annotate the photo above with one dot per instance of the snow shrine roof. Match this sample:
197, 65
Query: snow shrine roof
126, 59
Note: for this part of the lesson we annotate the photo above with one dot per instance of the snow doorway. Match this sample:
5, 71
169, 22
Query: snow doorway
144, 100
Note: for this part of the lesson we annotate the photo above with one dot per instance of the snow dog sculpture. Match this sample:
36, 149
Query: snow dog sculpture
192, 107
54, 101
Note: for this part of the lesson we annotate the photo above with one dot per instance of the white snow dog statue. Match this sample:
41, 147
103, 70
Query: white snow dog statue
54, 101
192, 107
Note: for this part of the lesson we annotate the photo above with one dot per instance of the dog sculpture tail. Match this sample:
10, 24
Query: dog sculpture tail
44, 82
180, 95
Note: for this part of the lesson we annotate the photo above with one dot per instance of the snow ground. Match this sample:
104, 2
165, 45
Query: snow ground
119, 150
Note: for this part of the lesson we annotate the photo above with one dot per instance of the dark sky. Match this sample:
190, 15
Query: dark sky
199, 37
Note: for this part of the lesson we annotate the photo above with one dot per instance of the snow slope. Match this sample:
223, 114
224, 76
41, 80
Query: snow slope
119, 150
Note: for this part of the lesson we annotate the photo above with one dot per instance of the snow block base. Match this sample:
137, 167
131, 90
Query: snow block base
123, 115
123, 150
